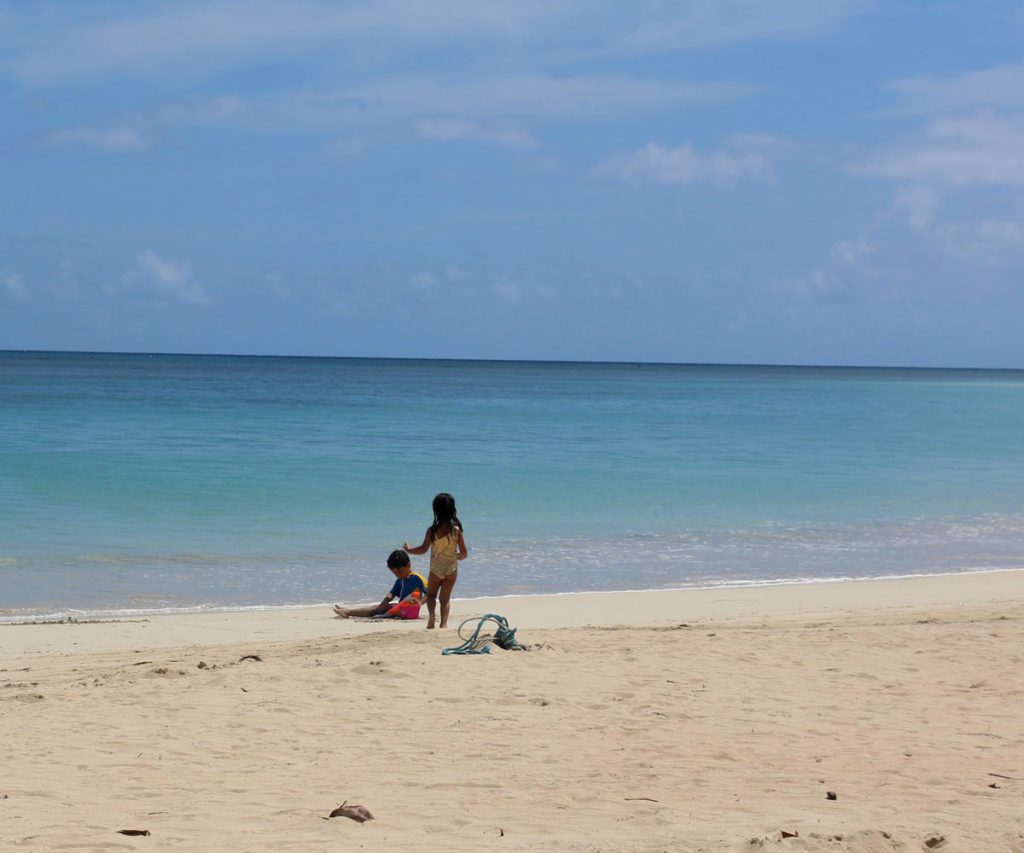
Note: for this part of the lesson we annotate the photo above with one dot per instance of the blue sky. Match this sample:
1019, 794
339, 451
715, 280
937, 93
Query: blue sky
794, 181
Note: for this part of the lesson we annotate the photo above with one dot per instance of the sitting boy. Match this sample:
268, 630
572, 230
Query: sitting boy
409, 589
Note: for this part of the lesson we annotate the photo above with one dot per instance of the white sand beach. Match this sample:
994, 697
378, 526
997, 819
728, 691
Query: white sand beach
702, 720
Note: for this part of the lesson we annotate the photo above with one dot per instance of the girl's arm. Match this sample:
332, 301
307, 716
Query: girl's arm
463, 550
419, 549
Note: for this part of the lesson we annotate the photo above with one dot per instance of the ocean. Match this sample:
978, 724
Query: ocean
133, 484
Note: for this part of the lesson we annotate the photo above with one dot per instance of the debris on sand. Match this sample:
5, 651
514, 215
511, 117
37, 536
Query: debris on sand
360, 814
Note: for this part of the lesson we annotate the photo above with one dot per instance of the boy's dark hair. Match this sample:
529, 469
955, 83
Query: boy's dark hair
397, 559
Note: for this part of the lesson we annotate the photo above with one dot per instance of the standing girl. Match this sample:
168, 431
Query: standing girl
447, 546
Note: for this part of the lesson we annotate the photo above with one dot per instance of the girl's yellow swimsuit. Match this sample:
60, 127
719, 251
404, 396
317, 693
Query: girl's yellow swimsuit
444, 554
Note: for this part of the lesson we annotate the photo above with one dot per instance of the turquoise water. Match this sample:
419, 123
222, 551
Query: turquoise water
142, 482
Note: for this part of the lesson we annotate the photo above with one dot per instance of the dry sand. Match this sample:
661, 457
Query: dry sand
709, 720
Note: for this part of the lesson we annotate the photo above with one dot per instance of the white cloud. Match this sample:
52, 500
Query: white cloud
1001, 88
423, 280
349, 146
702, 24
223, 32
857, 271
977, 154
216, 109
66, 42
1007, 233
849, 251
825, 284
112, 139
488, 110
136, 132
987, 241
746, 157
919, 203
14, 284
508, 291
455, 129
166, 278
482, 100
839, 278
423, 285
493, 107
979, 150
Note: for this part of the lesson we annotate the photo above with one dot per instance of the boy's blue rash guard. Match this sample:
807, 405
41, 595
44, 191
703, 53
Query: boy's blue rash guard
407, 586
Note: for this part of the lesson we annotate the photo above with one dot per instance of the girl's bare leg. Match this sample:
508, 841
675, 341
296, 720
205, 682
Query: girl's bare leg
446, 595
433, 585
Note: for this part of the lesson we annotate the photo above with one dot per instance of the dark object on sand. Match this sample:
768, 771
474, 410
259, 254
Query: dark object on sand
202, 665
504, 637
831, 795
133, 831
250, 657
360, 814
787, 834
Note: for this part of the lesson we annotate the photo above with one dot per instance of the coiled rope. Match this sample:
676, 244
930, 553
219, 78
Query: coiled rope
503, 637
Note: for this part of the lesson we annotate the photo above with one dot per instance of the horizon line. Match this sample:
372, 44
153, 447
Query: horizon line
638, 362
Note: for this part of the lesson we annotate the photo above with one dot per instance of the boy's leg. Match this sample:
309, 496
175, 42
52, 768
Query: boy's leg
362, 610
446, 595
433, 585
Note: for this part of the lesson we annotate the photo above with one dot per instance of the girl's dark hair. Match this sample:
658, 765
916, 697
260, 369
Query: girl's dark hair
444, 514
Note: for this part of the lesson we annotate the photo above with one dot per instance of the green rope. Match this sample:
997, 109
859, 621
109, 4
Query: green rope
503, 637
